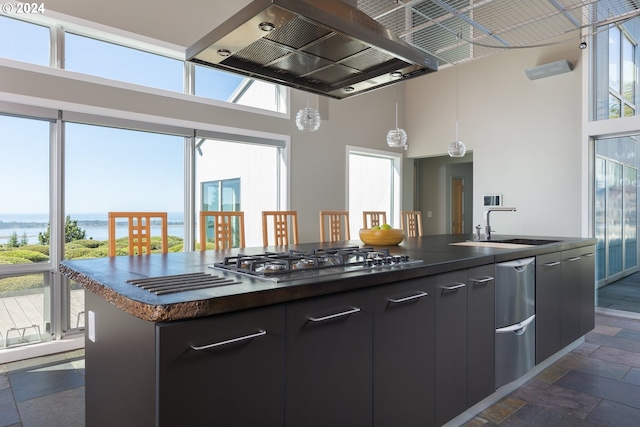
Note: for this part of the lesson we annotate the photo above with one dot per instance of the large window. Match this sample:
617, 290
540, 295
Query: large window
24, 150
24, 41
25, 314
617, 71
237, 176
109, 169
374, 185
133, 64
99, 58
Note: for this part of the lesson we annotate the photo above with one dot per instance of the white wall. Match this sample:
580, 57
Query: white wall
525, 136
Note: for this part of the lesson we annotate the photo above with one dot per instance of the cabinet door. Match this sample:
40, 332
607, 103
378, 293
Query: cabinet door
329, 361
548, 296
233, 377
451, 345
570, 303
403, 354
587, 289
481, 333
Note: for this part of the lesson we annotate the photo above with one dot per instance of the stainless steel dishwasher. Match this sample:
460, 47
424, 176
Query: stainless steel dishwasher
515, 319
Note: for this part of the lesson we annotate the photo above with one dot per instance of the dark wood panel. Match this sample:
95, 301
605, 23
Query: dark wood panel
451, 346
481, 333
403, 354
329, 363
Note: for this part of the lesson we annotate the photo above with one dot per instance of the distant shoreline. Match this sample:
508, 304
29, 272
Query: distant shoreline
81, 223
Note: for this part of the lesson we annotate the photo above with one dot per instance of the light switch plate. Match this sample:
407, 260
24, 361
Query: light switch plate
91, 327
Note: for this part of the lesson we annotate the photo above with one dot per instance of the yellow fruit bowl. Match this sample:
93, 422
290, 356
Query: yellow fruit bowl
382, 237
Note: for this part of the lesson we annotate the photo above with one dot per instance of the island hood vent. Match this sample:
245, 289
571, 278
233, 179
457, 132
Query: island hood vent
326, 47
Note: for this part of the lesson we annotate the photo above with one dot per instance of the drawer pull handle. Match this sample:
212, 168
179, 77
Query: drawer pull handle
333, 316
482, 281
551, 264
575, 258
409, 298
589, 255
453, 287
260, 333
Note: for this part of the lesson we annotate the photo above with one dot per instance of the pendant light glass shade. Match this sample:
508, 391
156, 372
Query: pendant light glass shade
308, 119
397, 137
457, 149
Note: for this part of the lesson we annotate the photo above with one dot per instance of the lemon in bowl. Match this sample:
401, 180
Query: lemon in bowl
382, 235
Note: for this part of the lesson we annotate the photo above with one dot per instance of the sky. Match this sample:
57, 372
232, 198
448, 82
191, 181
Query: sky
106, 168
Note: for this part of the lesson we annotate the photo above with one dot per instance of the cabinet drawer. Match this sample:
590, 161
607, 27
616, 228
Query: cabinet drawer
329, 361
228, 368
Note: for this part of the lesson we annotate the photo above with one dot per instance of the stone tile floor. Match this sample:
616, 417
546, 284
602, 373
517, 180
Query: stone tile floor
43, 392
597, 384
623, 294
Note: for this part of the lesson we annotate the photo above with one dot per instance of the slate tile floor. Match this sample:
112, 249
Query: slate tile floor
597, 384
43, 392
623, 294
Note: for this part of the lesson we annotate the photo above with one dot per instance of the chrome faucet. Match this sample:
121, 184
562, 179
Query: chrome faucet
488, 227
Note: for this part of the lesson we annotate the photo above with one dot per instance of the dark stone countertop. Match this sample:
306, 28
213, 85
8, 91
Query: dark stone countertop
107, 277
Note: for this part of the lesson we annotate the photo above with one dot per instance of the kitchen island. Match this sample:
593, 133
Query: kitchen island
396, 345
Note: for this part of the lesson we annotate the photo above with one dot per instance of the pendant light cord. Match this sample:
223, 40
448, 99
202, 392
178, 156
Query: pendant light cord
458, 83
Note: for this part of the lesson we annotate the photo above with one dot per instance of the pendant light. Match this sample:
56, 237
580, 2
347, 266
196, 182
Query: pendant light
397, 137
308, 119
457, 148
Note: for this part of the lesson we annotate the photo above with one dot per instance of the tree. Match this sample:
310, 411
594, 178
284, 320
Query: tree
71, 232
24, 240
13, 240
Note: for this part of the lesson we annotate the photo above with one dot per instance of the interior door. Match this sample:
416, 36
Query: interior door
457, 217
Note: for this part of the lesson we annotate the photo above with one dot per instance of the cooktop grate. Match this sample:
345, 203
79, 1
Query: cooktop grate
163, 285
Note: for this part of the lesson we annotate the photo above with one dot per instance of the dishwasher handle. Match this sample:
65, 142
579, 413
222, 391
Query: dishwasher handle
518, 328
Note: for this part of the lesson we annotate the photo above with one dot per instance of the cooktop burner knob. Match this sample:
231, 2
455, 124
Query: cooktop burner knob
377, 261
368, 262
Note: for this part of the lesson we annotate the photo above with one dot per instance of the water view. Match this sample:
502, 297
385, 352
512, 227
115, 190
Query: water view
95, 226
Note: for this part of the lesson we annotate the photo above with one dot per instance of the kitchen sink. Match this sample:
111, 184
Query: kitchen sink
514, 243
524, 241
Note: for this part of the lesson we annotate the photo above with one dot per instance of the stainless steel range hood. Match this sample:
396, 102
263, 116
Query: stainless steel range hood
325, 47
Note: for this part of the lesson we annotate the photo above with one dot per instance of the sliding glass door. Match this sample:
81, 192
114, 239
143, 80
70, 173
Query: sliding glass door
25, 288
615, 208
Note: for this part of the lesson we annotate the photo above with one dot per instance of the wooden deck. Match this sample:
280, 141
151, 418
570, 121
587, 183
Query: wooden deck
22, 317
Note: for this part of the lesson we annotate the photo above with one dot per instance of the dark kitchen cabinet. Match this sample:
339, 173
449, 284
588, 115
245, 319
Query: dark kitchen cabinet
587, 289
403, 354
226, 370
329, 363
565, 299
146, 374
570, 298
451, 345
548, 298
481, 333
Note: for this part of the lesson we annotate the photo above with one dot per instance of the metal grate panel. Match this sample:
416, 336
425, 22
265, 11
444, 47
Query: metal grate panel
489, 26
297, 33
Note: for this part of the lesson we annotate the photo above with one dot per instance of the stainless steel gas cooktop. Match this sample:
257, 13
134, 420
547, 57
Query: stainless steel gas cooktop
294, 265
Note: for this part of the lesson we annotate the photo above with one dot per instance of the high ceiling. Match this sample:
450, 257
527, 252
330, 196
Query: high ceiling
484, 26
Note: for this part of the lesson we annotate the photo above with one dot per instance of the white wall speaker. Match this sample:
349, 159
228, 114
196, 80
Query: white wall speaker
550, 69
